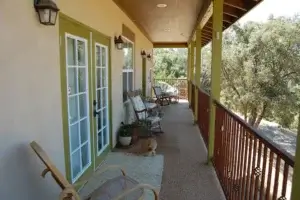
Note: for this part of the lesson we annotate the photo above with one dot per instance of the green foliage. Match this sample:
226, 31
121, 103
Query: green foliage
170, 63
261, 68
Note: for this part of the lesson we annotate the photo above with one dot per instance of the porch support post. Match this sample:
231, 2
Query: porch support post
215, 71
192, 67
144, 72
197, 71
296, 176
188, 74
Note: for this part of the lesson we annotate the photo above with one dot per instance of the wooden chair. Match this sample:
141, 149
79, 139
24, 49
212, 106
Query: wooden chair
146, 114
128, 185
161, 97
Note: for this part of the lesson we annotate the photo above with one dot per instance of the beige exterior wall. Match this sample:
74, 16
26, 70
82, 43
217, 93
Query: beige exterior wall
30, 103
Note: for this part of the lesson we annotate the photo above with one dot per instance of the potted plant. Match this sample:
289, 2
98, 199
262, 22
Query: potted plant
125, 134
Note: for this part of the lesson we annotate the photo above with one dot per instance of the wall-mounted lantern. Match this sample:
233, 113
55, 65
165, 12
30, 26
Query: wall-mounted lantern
143, 54
47, 11
149, 57
119, 42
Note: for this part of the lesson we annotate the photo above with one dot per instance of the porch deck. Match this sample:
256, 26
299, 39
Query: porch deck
186, 174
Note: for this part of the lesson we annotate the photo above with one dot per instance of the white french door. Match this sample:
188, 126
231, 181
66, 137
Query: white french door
78, 104
101, 99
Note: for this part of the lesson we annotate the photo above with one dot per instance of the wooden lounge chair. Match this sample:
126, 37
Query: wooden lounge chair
146, 114
161, 97
117, 188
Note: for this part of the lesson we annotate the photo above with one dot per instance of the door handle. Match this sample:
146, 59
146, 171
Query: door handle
95, 113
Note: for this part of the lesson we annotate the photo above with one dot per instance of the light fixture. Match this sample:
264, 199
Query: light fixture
143, 54
47, 11
149, 57
119, 42
161, 5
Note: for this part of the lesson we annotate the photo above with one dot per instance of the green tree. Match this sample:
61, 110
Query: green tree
170, 63
261, 66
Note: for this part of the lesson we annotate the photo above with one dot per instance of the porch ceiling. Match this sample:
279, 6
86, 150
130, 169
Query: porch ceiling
176, 23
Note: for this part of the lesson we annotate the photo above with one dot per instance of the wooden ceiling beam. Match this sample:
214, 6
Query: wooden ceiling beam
207, 31
206, 34
242, 5
204, 15
205, 37
230, 14
235, 6
170, 45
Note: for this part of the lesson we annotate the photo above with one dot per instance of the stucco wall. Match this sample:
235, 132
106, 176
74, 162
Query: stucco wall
30, 103
106, 17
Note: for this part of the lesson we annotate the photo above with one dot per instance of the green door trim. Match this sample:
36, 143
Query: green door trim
98, 38
69, 25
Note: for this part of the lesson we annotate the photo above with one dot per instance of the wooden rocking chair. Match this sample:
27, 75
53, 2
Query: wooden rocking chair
115, 189
146, 114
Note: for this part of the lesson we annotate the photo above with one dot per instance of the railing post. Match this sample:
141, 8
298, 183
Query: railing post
215, 71
197, 71
296, 176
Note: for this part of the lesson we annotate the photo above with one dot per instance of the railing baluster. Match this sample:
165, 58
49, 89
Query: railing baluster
275, 191
235, 157
262, 186
249, 166
226, 154
269, 175
247, 152
257, 172
253, 166
285, 179
242, 162
231, 154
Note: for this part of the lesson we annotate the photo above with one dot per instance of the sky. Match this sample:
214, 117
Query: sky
278, 8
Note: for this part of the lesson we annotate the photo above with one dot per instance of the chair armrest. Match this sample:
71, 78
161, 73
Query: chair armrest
69, 193
140, 111
139, 186
97, 173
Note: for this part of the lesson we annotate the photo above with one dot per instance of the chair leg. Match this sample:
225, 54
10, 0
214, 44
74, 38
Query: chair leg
161, 131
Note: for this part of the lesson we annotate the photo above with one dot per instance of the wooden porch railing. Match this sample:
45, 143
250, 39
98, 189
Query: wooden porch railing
203, 114
180, 84
193, 97
249, 166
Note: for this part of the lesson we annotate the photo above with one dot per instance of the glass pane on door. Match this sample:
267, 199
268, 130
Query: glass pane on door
101, 96
77, 87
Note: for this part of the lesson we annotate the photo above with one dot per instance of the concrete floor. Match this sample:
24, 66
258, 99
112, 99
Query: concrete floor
185, 175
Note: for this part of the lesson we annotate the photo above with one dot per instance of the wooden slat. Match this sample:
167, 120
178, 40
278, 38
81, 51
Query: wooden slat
234, 6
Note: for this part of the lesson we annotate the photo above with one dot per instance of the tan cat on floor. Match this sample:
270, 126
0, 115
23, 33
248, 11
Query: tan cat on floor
150, 147
146, 147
